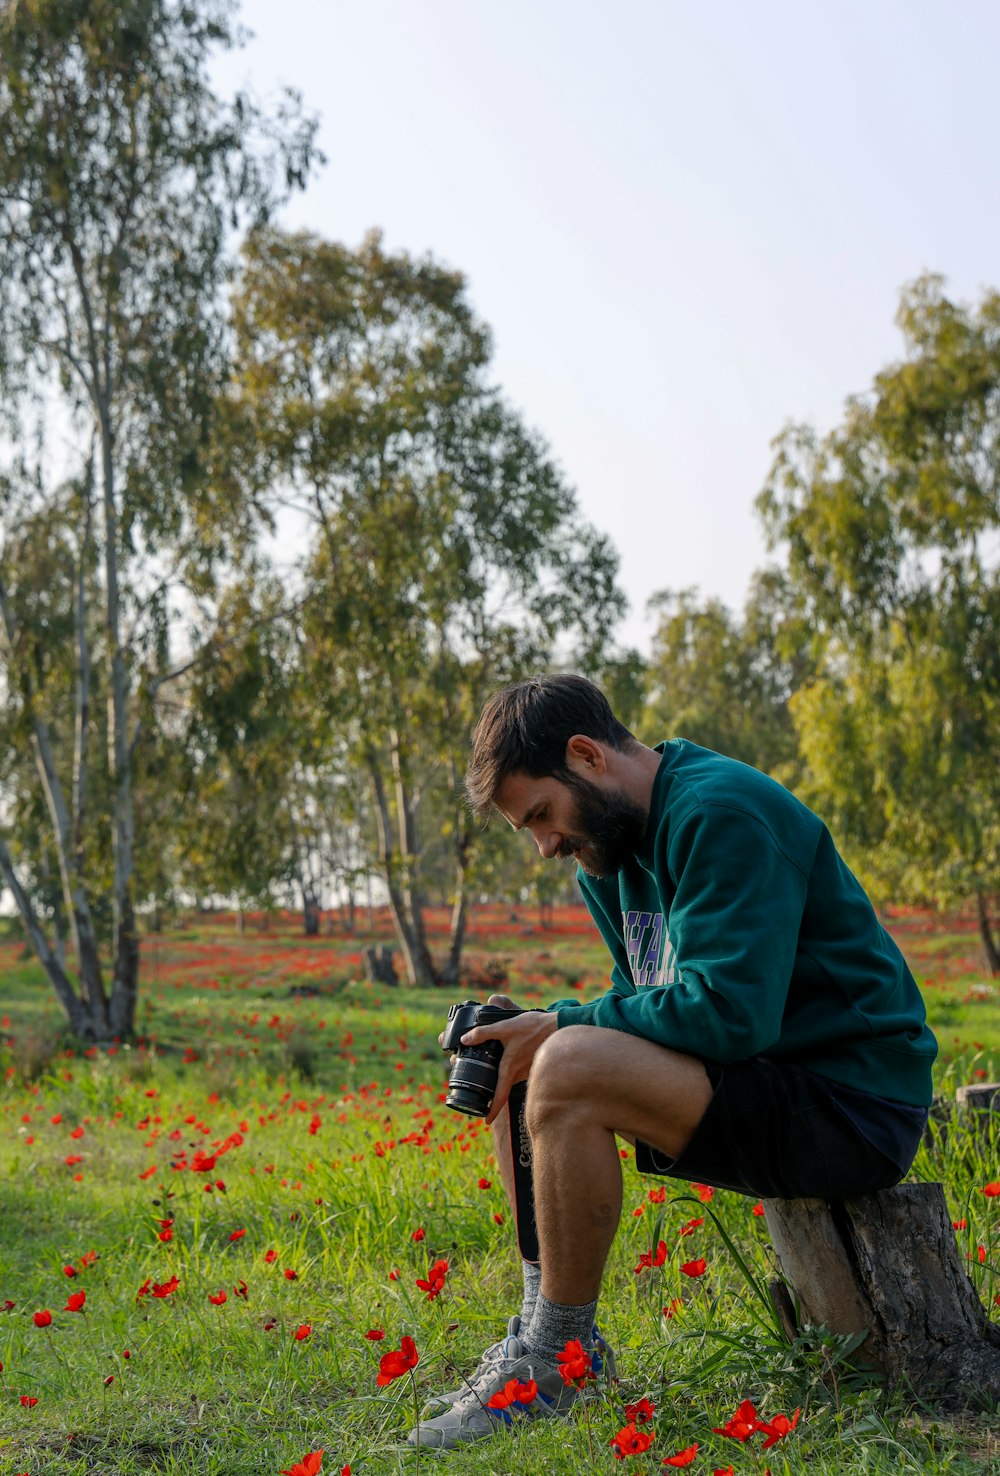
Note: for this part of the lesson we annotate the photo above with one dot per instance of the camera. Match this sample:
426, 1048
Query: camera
473, 1079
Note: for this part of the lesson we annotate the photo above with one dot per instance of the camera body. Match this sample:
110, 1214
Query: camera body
473, 1080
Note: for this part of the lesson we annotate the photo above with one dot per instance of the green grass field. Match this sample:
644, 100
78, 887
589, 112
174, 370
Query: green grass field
279, 1137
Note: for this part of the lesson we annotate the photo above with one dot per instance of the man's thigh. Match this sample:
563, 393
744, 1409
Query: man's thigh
635, 1087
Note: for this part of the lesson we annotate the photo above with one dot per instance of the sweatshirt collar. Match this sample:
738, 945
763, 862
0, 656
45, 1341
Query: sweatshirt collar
644, 851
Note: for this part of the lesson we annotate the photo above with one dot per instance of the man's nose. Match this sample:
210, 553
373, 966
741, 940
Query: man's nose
548, 843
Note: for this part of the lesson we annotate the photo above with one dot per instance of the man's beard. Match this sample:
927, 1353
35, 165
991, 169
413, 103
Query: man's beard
607, 827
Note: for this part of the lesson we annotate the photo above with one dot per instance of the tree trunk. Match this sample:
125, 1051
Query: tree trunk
888, 1264
126, 967
991, 952
77, 1013
459, 909
413, 901
310, 915
388, 862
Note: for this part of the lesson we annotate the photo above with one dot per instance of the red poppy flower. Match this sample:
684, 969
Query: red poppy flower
29, 1400
237, 1235
303, 1332
575, 1364
758, 1209
630, 1442
681, 1457
75, 1301
723, 1471
485, 1184
652, 1258
309, 1465
219, 1298
397, 1362
695, 1268
270, 1257
374, 1335
705, 1193
743, 1423
514, 1392
674, 1307
691, 1227
777, 1428
109, 1380
992, 1190
166, 1235
434, 1284
641, 1412
42, 1319
69, 1270
419, 1234
165, 1288
291, 1275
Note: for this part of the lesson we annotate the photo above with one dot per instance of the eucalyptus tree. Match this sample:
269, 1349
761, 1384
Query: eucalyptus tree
122, 178
724, 681
892, 529
446, 552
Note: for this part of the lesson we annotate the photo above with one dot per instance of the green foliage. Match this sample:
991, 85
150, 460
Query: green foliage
891, 525
122, 177
447, 553
721, 682
228, 1388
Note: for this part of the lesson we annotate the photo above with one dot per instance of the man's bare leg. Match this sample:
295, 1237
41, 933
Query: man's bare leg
586, 1085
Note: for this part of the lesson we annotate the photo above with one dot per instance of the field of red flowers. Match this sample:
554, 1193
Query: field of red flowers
248, 1242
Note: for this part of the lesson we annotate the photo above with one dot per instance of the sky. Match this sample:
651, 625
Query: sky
687, 225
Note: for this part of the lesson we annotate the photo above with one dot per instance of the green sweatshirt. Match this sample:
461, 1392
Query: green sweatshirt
736, 930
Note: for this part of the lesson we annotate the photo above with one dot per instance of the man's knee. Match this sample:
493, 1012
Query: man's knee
561, 1072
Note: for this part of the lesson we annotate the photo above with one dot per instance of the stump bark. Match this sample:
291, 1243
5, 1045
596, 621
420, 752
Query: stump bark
380, 965
888, 1264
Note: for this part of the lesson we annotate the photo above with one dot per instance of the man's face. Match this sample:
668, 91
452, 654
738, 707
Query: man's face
573, 818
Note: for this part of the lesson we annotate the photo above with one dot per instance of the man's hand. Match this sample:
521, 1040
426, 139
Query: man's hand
520, 1038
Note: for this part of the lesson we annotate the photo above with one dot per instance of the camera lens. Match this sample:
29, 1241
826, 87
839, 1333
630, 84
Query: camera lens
473, 1082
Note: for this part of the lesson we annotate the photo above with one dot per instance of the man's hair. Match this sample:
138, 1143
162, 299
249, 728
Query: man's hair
524, 729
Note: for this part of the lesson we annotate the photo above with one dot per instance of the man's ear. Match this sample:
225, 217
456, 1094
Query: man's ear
585, 756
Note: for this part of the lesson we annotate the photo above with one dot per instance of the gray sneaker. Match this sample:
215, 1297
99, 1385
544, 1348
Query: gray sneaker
470, 1417
604, 1361
493, 1355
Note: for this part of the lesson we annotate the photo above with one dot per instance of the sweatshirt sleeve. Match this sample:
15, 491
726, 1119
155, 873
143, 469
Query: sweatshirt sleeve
734, 925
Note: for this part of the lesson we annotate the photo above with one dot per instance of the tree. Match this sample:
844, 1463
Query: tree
122, 176
891, 526
448, 553
722, 682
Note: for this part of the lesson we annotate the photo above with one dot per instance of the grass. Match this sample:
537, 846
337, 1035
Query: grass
332, 1149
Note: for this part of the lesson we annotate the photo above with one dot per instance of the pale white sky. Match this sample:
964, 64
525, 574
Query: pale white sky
686, 224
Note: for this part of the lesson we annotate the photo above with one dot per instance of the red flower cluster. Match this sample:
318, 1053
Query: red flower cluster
746, 1422
575, 1364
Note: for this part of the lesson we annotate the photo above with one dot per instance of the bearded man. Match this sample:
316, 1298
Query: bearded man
762, 1031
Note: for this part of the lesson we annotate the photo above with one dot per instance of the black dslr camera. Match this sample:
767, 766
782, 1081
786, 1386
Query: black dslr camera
473, 1079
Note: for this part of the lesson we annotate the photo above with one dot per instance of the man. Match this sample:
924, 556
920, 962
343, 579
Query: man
762, 1032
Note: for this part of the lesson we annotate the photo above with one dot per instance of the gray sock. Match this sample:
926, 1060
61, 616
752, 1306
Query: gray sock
553, 1324
532, 1274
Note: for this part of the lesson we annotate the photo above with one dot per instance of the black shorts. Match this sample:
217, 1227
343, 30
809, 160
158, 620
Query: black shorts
784, 1132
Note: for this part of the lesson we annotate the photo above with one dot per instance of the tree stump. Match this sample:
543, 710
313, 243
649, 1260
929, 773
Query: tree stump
888, 1264
380, 965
